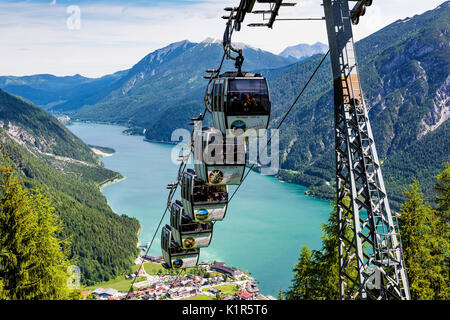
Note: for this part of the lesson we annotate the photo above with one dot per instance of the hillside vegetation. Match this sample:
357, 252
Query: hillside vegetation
50, 158
405, 77
404, 71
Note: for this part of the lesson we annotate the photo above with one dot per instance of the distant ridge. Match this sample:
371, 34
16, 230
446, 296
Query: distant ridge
303, 50
404, 71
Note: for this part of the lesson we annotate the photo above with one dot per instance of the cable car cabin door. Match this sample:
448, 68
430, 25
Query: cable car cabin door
223, 162
187, 233
187, 188
218, 104
174, 256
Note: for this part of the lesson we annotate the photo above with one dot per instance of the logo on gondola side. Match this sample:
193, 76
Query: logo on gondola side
238, 127
189, 243
215, 176
201, 214
177, 263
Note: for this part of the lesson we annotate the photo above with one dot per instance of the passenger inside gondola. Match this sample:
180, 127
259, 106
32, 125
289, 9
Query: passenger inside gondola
247, 101
248, 96
212, 194
195, 227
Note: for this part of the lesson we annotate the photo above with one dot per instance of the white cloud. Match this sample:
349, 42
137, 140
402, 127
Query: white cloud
115, 37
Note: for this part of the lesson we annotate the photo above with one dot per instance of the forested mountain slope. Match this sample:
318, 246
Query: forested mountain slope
405, 77
63, 93
39, 132
170, 77
404, 72
49, 157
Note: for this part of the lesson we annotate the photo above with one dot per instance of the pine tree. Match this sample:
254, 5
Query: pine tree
425, 239
442, 188
328, 257
424, 247
34, 261
305, 281
280, 295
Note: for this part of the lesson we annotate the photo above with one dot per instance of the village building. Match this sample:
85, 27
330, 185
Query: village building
214, 290
156, 287
222, 268
85, 293
252, 287
101, 293
242, 295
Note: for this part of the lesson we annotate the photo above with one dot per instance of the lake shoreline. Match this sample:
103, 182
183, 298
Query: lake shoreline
101, 153
109, 182
161, 142
325, 196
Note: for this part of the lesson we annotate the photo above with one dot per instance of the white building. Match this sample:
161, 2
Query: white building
106, 293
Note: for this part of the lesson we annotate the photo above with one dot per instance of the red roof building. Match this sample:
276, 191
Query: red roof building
85, 293
242, 295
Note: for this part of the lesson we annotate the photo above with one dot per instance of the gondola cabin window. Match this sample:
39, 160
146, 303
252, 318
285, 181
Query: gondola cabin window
248, 96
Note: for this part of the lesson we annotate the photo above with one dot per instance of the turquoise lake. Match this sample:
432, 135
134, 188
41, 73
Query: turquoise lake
266, 223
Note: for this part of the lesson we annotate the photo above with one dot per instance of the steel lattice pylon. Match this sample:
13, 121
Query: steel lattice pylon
371, 262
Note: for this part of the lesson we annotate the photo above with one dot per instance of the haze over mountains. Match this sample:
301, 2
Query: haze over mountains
302, 51
176, 63
405, 77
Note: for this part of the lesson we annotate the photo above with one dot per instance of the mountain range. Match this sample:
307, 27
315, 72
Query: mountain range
404, 71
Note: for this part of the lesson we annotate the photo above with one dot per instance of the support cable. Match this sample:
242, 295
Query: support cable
169, 200
172, 192
184, 163
284, 118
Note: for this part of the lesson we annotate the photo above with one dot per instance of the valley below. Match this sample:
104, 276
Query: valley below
287, 216
101, 149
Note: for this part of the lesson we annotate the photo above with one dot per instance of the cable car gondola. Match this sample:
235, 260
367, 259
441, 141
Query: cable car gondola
189, 234
174, 255
202, 202
240, 102
219, 160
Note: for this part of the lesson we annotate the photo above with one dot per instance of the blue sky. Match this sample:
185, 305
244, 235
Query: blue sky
42, 36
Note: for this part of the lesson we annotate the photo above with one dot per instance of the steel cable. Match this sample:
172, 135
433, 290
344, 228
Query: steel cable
282, 120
